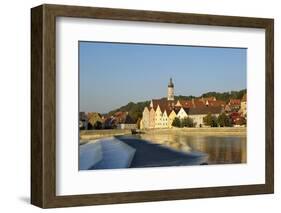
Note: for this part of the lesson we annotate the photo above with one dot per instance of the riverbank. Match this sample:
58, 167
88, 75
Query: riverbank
104, 133
218, 131
86, 135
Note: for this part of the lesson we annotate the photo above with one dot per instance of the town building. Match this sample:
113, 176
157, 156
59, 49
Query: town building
162, 112
183, 113
233, 105
145, 122
171, 116
126, 123
119, 120
198, 114
83, 120
151, 118
243, 108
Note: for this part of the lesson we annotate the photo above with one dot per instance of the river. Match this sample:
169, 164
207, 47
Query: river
221, 149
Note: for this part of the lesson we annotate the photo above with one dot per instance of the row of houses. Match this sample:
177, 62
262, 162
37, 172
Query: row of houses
162, 112
94, 120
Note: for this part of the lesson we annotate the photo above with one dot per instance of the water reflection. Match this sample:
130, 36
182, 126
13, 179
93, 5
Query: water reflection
221, 149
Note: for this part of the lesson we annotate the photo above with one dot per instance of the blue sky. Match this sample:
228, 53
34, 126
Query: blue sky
113, 74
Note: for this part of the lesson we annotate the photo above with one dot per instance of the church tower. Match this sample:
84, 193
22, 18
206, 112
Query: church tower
170, 96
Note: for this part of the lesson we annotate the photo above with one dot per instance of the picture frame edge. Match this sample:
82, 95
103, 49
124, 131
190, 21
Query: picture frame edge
43, 104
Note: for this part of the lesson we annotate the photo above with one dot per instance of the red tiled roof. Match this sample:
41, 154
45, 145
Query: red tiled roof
163, 104
120, 116
186, 103
119, 113
205, 110
217, 103
197, 105
212, 98
234, 101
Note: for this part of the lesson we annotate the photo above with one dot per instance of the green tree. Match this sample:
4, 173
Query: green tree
97, 125
176, 122
226, 96
210, 120
224, 120
187, 122
134, 109
90, 126
139, 123
214, 121
93, 118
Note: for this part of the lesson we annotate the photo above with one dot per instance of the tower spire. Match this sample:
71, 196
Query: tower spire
171, 83
170, 96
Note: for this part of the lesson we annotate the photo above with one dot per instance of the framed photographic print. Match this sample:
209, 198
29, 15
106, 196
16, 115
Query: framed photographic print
136, 106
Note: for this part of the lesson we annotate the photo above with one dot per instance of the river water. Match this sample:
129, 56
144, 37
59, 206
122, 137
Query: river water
221, 149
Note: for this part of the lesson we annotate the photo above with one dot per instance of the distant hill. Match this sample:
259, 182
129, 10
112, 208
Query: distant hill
135, 109
226, 96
